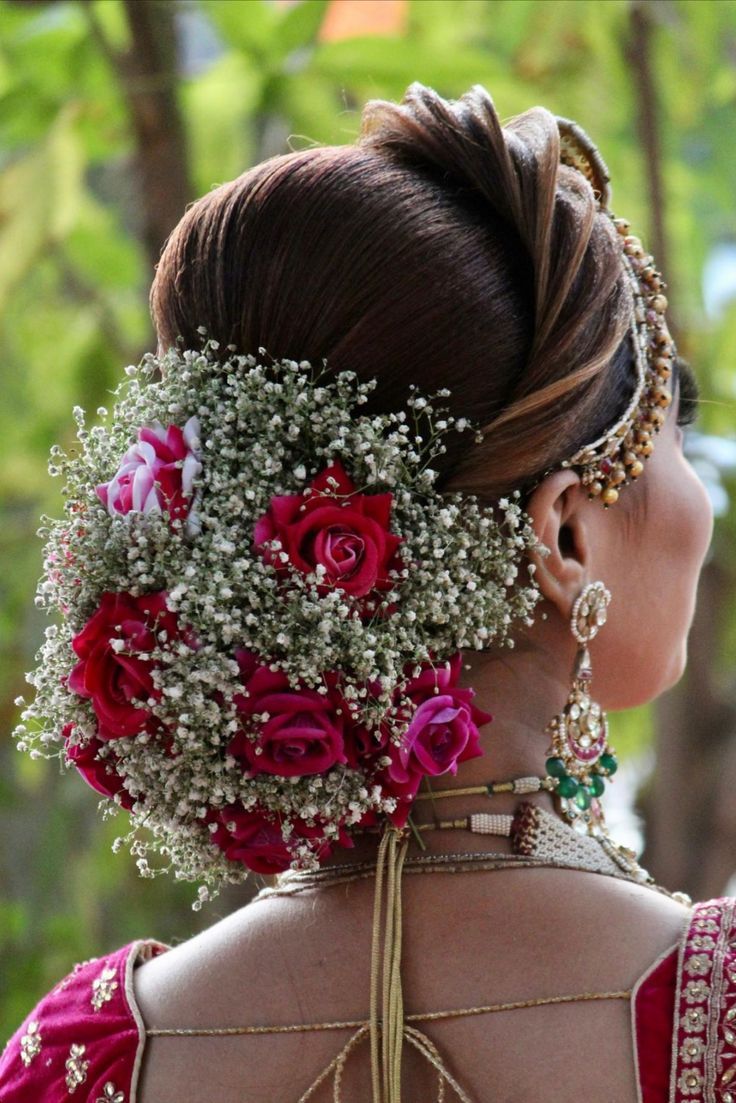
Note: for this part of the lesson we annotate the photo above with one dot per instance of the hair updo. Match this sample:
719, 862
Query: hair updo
440, 249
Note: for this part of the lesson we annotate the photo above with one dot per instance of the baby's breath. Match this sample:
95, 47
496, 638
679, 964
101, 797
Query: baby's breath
266, 429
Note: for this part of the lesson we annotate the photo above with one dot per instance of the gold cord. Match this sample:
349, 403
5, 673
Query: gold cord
430, 1053
336, 1067
376, 933
517, 785
363, 1025
386, 1064
471, 791
386, 1080
459, 864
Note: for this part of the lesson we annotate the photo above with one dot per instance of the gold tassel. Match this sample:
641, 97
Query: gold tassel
388, 1030
387, 1033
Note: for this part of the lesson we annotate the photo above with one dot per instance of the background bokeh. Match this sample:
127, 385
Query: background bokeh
116, 113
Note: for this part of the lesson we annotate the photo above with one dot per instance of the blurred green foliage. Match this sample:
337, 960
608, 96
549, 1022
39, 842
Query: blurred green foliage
255, 78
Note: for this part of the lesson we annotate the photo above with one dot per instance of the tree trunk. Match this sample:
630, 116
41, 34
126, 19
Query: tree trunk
647, 118
148, 71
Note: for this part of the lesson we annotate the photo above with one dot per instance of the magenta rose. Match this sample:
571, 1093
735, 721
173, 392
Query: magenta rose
442, 732
304, 730
443, 729
157, 473
332, 527
363, 745
114, 667
404, 792
253, 838
99, 773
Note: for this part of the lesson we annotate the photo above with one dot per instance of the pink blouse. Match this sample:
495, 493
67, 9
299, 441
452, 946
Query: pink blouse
85, 1039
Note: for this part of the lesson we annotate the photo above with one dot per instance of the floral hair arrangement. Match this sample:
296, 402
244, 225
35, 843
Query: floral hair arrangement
264, 598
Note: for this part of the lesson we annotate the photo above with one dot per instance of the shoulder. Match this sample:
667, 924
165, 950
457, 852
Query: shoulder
85, 1034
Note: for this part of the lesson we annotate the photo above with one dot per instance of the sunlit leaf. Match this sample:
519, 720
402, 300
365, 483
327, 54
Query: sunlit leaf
39, 199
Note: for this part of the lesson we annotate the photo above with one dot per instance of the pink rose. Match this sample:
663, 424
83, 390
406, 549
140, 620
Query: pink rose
255, 840
436, 739
99, 773
303, 733
443, 729
332, 527
113, 667
157, 473
442, 732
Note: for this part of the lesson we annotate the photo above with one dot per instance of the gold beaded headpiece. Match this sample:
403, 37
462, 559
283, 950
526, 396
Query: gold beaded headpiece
617, 457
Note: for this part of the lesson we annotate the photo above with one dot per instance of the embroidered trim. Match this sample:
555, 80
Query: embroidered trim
140, 952
67, 980
726, 1038
634, 996
704, 1042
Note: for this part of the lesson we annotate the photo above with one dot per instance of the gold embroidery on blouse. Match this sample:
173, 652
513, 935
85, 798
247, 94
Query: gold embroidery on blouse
698, 965
696, 991
30, 1043
726, 1078
68, 979
691, 1050
690, 1082
76, 1068
103, 988
110, 1094
724, 1047
693, 1021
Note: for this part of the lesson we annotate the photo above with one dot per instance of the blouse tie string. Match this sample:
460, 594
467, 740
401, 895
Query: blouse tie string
386, 971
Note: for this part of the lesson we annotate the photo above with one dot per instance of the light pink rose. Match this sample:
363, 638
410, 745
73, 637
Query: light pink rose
157, 473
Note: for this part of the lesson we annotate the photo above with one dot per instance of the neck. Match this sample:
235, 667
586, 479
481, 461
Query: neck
523, 689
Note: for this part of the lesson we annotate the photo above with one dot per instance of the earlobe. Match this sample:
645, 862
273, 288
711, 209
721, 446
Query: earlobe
562, 526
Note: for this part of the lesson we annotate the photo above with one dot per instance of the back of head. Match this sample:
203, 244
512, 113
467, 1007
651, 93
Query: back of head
442, 249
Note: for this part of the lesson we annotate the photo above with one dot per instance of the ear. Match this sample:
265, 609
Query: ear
563, 524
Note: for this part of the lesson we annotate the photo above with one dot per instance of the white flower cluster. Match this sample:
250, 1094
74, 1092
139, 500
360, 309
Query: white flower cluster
266, 430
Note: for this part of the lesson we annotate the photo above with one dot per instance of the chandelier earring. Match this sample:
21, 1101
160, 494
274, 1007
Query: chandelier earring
580, 759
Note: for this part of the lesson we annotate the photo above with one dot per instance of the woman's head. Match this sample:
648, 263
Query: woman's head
444, 250
439, 249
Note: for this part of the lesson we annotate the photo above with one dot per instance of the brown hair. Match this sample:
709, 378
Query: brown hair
440, 249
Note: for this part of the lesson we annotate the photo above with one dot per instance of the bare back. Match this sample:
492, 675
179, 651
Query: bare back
473, 939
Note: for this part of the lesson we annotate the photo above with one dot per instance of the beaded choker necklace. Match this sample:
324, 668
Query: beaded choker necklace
538, 839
